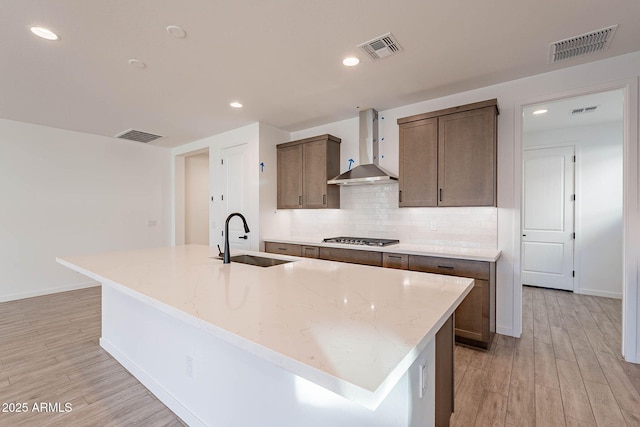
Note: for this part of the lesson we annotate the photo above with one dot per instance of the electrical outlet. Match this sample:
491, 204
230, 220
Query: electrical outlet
152, 223
433, 226
190, 366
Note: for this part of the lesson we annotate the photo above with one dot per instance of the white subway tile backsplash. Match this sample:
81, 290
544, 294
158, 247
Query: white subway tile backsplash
372, 211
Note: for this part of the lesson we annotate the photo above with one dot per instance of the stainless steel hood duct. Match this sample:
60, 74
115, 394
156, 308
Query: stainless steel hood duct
368, 172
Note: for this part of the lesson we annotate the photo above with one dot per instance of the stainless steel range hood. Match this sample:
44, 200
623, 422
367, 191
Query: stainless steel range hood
368, 172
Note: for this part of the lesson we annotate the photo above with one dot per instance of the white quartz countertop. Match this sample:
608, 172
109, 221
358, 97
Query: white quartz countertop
472, 254
352, 329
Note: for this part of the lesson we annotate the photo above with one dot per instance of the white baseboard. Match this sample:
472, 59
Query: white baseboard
163, 395
48, 291
596, 293
502, 330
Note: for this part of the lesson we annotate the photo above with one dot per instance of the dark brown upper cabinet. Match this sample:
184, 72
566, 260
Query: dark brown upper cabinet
304, 166
449, 157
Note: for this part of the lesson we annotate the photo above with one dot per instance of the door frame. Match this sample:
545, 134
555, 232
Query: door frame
631, 224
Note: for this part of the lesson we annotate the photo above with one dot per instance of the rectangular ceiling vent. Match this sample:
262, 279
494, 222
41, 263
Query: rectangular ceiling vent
584, 110
138, 135
595, 41
381, 47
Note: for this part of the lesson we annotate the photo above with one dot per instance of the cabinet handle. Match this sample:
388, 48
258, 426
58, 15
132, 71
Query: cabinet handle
300, 200
324, 199
440, 195
400, 196
448, 267
282, 249
394, 256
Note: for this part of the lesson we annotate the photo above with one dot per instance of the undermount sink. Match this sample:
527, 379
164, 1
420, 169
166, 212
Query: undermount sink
258, 260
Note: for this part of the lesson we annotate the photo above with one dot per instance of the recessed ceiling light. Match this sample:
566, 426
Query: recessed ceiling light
540, 112
176, 31
236, 104
44, 33
350, 61
137, 63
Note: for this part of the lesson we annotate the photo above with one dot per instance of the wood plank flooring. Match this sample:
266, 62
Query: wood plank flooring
565, 370
49, 353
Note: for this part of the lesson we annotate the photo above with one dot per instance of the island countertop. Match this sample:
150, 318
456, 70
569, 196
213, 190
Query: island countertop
352, 329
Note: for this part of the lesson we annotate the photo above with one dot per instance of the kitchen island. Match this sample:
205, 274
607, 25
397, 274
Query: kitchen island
309, 342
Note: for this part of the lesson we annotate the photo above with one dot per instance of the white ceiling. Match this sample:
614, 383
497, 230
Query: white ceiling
280, 58
610, 108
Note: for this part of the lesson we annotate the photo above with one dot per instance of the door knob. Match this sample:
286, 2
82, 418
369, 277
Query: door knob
245, 237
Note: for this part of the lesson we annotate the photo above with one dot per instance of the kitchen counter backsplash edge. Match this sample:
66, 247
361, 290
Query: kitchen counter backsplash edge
471, 254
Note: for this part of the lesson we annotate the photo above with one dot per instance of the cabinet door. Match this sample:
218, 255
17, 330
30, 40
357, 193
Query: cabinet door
290, 177
419, 163
472, 315
397, 261
314, 179
353, 256
467, 158
310, 251
283, 248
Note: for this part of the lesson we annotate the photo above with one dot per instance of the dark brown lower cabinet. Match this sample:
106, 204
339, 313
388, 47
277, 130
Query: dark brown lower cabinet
283, 248
444, 374
476, 315
352, 256
397, 261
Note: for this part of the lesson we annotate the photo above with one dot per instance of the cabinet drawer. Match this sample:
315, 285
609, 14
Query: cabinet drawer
282, 248
352, 256
310, 251
449, 266
397, 261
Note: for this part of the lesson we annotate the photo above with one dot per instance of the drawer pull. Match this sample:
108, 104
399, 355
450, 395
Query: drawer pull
448, 267
394, 256
282, 249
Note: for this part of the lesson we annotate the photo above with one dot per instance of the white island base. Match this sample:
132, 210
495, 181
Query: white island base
209, 382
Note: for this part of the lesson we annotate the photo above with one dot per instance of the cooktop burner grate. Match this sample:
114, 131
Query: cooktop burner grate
366, 241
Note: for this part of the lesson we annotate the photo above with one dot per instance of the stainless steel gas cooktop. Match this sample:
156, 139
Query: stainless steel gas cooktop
361, 241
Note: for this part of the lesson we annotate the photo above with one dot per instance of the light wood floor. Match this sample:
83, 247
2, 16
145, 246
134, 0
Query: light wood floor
49, 353
566, 369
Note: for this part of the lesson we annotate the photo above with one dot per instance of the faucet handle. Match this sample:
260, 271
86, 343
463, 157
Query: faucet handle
220, 253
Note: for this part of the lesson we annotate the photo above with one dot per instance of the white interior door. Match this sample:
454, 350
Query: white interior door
548, 217
234, 168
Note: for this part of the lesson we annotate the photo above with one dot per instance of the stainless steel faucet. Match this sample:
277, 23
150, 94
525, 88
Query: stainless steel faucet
226, 256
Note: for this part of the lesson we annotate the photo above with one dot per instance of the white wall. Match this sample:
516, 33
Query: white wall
270, 218
69, 193
245, 135
196, 199
598, 214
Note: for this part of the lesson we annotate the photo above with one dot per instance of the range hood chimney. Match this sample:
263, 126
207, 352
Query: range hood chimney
368, 172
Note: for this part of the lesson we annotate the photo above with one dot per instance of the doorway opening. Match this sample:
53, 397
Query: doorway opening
572, 207
196, 199
192, 198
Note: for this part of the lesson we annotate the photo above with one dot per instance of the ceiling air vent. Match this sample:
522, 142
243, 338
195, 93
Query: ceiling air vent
584, 110
381, 47
595, 41
138, 135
